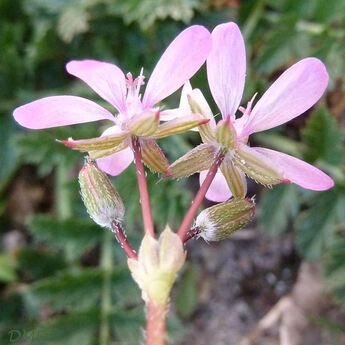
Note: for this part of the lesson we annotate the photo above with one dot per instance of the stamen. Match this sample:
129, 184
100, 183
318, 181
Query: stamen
139, 81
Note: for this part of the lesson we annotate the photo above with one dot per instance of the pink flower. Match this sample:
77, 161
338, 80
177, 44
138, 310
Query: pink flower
294, 92
180, 61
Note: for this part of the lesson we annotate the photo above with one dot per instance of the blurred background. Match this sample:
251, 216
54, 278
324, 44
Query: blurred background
58, 269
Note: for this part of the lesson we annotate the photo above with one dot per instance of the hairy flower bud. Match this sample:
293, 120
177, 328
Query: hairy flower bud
102, 201
220, 221
157, 265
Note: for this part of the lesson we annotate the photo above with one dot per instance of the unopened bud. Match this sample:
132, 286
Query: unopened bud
157, 266
102, 201
145, 124
220, 221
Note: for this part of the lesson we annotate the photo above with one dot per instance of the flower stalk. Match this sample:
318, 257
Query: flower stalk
192, 211
143, 190
122, 239
156, 333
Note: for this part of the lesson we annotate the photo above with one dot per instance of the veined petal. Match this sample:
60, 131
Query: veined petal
58, 111
298, 171
184, 56
153, 156
198, 159
179, 125
294, 92
226, 67
116, 163
219, 190
104, 78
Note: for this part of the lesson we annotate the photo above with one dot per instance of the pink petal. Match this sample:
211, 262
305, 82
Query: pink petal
116, 163
219, 190
184, 56
294, 92
104, 78
59, 111
297, 171
226, 67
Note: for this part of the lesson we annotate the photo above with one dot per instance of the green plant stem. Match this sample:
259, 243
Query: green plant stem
156, 332
62, 193
63, 200
106, 305
252, 21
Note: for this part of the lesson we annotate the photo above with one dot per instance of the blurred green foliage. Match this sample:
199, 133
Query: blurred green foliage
58, 280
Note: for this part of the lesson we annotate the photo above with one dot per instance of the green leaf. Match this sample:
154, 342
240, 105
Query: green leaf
323, 138
335, 268
30, 262
279, 205
187, 292
72, 289
7, 268
72, 329
148, 12
316, 226
78, 234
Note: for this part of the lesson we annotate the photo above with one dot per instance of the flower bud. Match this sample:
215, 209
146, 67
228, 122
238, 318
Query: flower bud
157, 265
102, 201
220, 221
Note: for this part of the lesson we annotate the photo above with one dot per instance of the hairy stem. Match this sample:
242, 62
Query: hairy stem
142, 183
191, 234
122, 239
188, 219
156, 333
107, 266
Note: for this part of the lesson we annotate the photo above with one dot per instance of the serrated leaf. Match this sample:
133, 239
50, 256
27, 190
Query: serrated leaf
316, 226
78, 234
187, 292
335, 268
30, 261
278, 205
7, 269
322, 138
74, 289
72, 329
147, 12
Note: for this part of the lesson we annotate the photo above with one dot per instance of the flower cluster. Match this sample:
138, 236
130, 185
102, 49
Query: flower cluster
223, 159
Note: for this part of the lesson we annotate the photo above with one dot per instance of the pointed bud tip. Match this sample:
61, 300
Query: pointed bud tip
68, 143
204, 121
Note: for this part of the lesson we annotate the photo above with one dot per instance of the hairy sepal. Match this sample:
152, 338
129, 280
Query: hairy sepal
233, 178
101, 143
198, 159
218, 222
257, 166
145, 125
153, 156
179, 125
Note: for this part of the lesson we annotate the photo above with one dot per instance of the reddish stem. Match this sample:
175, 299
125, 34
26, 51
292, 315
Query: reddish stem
188, 219
191, 233
156, 333
142, 183
121, 237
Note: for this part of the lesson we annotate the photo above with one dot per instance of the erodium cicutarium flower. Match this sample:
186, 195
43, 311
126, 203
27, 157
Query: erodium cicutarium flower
294, 92
136, 115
